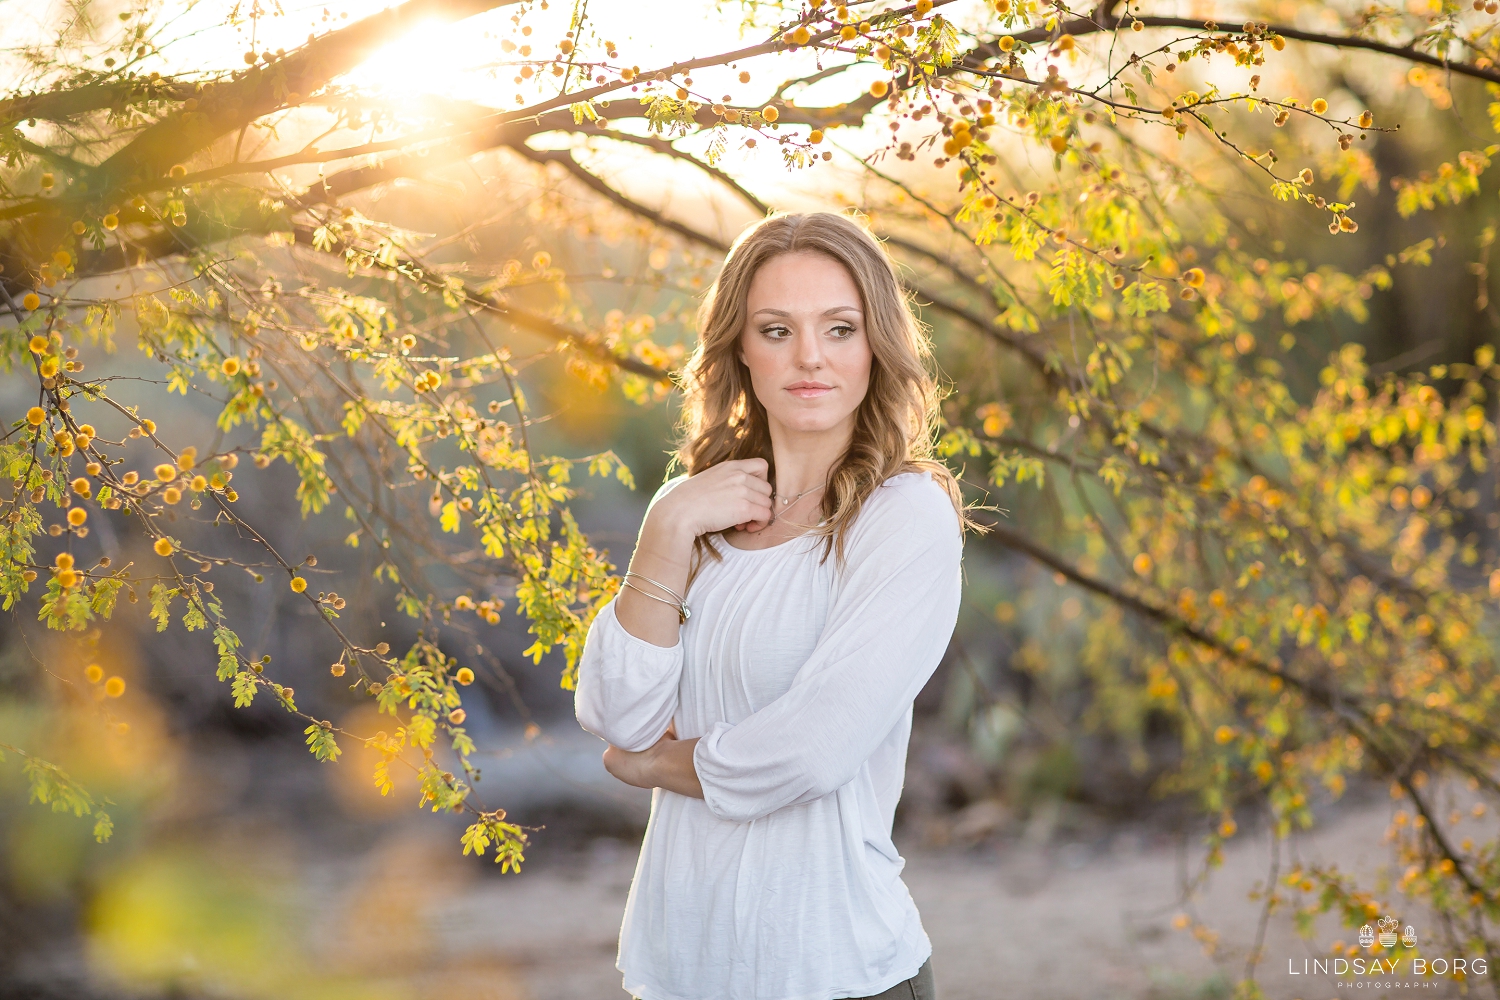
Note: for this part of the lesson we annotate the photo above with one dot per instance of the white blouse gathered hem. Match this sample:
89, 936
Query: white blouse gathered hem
797, 677
645, 991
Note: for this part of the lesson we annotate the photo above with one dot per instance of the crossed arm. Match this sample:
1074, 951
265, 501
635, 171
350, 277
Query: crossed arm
668, 763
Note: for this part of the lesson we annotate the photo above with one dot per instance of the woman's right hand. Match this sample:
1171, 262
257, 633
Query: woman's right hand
734, 494
728, 495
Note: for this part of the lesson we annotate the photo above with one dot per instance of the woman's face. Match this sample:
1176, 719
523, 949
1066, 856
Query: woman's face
805, 344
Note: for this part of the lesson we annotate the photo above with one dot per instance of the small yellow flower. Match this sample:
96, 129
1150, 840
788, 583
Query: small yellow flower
171, 494
94, 673
38, 344
1142, 564
77, 516
337, 669
35, 416
166, 473
63, 259
1223, 734
231, 366
464, 676
67, 578
48, 368
199, 484
115, 686
163, 547
298, 584
815, 136
924, 7
879, 88
1194, 277
111, 222
1319, 106
769, 113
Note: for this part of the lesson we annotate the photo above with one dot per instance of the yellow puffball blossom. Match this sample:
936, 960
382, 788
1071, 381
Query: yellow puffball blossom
924, 7
171, 494
94, 673
1223, 734
115, 686
1366, 120
1194, 277
35, 416
187, 458
1319, 106
1142, 564
231, 366
66, 578
166, 473
63, 259
48, 368
111, 222
163, 547
64, 560
79, 228
30, 301
769, 113
38, 344
815, 136
879, 88
80, 486
1007, 43
77, 516
199, 484
148, 425
298, 584
464, 676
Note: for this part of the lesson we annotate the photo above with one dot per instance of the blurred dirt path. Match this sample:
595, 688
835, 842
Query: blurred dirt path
1016, 922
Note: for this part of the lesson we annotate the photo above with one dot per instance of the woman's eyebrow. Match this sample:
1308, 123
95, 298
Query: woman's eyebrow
826, 312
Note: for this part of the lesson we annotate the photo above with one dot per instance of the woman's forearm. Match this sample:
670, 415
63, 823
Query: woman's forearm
662, 553
667, 764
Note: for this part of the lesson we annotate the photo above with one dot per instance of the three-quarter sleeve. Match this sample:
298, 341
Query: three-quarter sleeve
627, 687
889, 623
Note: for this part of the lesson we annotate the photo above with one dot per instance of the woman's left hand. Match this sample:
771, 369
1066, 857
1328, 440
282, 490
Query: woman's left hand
667, 763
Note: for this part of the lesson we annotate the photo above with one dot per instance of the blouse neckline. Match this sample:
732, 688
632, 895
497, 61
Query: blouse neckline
769, 548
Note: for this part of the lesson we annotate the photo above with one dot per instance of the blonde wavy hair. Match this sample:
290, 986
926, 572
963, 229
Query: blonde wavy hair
722, 420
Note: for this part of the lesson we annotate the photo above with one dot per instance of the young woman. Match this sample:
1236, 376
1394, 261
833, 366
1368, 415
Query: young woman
786, 601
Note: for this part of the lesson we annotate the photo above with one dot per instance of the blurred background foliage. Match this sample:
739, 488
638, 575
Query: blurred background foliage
1241, 469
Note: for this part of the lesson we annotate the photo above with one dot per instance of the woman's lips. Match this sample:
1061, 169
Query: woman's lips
808, 390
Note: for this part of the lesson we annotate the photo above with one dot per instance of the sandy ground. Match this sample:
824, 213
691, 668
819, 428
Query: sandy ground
1031, 918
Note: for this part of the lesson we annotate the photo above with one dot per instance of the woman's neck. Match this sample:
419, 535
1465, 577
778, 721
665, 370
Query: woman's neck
803, 460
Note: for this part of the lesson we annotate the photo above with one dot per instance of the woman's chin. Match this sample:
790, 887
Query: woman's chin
811, 421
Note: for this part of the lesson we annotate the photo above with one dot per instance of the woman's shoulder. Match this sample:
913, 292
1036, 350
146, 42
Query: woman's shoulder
666, 488
915, 500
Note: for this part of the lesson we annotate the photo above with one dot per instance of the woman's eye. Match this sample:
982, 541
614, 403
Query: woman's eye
776, 332
843, 332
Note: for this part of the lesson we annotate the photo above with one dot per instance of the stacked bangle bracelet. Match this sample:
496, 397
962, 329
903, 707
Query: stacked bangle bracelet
679, 602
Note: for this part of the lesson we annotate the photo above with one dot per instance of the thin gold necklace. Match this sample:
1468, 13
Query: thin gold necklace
785, 503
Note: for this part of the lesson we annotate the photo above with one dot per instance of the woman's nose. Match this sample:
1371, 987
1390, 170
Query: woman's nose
809, 351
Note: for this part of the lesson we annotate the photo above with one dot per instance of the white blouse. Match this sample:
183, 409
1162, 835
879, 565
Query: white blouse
782, 882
